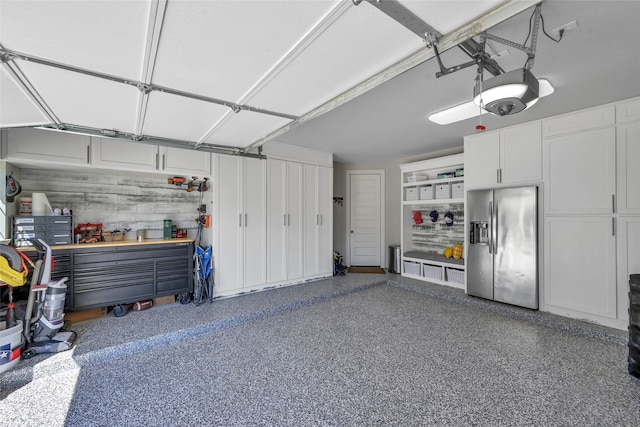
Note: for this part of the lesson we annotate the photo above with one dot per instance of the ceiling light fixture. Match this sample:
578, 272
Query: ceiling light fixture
470, 109
507, 93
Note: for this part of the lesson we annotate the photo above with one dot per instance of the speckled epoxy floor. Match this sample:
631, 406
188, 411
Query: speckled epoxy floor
356, 350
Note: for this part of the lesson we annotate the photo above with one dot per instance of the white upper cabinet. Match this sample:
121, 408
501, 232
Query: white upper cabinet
508, 156
521, 153
580, 172
135, 156
184, 161
41, 146
628, 170
579, 121
481, 159
124, 155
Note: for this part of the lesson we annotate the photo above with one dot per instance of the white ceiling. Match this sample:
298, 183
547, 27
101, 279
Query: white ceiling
289, 58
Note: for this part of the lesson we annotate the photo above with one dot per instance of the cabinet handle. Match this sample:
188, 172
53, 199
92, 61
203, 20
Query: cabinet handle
288, 219
157, 160
498, 176
613, 227
245, 220
613, 203
317, 219
163, 162
239, 220
89, 154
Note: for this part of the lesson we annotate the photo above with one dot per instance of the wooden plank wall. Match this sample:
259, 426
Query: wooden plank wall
117, 201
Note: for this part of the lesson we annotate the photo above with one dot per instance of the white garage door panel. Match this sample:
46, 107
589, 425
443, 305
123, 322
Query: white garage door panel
178, 117
16, 109
105, 36
364, 252
244, 39
323, 71
72, 97
244, 128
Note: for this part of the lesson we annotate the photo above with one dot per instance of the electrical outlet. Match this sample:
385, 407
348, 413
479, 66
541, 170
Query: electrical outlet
566, 27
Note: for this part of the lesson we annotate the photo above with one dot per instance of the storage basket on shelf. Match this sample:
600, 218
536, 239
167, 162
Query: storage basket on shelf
432, 272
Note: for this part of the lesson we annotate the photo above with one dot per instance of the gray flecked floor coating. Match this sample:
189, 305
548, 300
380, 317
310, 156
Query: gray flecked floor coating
362, 349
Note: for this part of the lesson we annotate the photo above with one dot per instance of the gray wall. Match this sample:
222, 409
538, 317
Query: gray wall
393, 194
116, 200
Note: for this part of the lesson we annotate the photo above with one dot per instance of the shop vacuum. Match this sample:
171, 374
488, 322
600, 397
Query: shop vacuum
44, 314
36, 326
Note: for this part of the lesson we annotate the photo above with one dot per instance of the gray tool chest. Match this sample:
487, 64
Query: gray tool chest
54, 230
101, 276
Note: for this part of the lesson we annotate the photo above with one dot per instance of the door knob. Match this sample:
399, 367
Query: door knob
351, 231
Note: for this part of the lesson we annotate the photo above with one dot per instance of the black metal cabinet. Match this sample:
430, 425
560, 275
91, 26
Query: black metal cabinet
112, 275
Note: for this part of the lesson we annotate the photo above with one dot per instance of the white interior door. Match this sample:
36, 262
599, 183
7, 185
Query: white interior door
365, 219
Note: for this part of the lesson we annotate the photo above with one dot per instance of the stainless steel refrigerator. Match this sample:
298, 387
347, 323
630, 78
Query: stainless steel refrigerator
502, 245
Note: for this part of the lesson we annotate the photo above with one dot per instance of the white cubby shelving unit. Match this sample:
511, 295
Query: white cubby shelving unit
422, 244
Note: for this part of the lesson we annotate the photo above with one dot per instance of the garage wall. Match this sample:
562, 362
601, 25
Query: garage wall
393, 198
116, 201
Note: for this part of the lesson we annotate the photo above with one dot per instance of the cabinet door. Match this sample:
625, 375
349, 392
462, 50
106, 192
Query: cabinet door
276, 220
185, 162
628, 260
311, 220
521, 154
254, 222
325, 207
294, 221
628, 146
124, 155
227, 224
580, 172
580, 265
481, 159
47, 146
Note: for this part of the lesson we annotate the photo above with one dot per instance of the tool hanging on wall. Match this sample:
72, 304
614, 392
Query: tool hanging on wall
195, 183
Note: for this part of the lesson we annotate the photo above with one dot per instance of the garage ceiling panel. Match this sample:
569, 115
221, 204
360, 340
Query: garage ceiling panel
446, 15
105, 36
16, 108
83, 100
244, 128
344, 55
222, 48
171, 116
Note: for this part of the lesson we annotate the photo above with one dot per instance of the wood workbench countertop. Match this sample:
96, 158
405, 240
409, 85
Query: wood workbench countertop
114, 244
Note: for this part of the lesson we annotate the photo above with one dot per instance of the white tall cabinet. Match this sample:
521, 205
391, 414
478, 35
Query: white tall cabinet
592, 201
272, 219
318, 218
284, 221
239, 222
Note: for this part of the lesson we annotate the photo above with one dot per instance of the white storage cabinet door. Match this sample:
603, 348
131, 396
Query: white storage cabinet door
124, 155
276, 221
481, 159
255, 222
580, 265
185, 162
295, 234
227, 225
580, 172
521, 154
47, 146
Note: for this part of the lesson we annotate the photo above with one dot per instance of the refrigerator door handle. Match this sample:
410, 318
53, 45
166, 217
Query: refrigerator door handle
490, 227
494, 238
